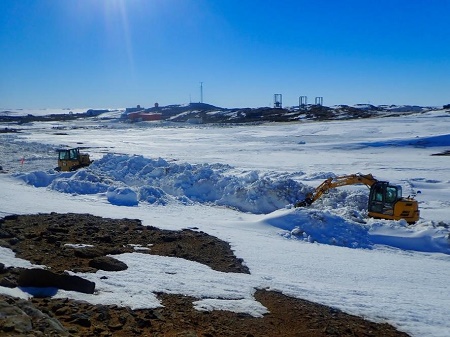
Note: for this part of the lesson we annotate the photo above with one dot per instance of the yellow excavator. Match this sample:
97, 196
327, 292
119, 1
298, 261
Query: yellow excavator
72, 159
385, 200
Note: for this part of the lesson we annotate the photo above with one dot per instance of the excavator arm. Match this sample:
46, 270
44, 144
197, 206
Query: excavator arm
351, 179
385, 200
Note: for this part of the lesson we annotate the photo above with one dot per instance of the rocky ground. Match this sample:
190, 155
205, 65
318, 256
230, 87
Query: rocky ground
42, 239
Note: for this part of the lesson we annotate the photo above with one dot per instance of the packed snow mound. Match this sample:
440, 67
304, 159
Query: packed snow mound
127, 180
122, 197
313, 225
327, 227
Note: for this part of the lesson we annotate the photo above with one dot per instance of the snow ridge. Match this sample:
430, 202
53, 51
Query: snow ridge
127, 180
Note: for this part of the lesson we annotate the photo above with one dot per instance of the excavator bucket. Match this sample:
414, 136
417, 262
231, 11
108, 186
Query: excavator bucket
304, 203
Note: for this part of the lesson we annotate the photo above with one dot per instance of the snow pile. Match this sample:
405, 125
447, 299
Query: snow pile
423, 237
122, 197
127, 180
313, 225
339, 218
328, 227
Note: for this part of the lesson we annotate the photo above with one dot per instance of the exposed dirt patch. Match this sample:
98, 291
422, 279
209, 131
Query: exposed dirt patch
43, 239
50, 239
443, 153
8, 130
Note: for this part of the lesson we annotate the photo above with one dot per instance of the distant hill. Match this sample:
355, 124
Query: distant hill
203, 113
206, 113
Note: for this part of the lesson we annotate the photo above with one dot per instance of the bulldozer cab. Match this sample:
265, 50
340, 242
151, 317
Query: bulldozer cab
71, 154
72, 159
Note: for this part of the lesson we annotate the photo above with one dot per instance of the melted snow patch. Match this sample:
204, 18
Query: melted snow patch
245, 306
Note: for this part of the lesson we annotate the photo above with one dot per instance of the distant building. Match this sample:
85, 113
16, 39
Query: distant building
139, 114
136, 109
144, 116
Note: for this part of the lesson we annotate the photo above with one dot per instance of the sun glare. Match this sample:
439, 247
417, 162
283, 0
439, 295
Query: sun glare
116, 19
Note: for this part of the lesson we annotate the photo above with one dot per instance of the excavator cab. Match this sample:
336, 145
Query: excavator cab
386, 202
383, 196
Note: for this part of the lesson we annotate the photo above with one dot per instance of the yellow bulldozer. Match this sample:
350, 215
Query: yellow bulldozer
385, 199
72, 159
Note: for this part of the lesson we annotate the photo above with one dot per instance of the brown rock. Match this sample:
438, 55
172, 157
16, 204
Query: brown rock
46, 278
88, 252
107, 263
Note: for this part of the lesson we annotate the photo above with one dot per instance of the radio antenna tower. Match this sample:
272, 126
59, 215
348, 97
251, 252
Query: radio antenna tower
201, 92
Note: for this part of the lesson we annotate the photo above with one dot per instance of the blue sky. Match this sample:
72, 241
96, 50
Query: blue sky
119, 53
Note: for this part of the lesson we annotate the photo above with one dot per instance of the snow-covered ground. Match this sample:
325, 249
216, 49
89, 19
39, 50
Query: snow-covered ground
239, 183
38, 112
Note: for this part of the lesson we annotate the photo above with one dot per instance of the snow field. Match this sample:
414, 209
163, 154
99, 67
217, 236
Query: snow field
239, 183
